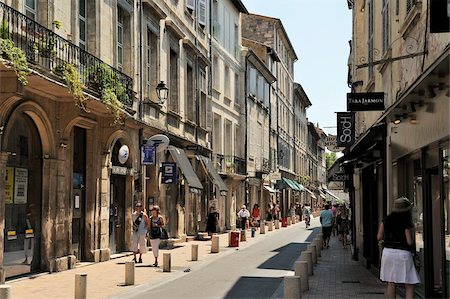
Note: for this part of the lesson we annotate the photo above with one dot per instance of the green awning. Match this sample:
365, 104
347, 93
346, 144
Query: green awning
300, 186
186, 168
291, 184
217, 180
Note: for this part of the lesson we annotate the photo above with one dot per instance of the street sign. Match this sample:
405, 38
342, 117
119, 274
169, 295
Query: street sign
345, 128
365, 101
148, 155
169, 173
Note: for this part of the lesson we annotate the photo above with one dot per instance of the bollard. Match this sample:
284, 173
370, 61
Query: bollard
292, 288
262, 228
312, 248
167, 264
318, 247
194, 252
288, 220
270, 226
253, 232
307, 256
243, 235
277, 224
129, 273
2, 275
80, 286
320, 237
5, 291
301, 270
215, 244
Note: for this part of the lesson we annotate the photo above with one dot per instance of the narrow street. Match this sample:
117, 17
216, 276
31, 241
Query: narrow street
253, 272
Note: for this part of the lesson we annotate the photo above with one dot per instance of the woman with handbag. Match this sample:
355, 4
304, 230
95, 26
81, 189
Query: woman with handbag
156, 227
397, 264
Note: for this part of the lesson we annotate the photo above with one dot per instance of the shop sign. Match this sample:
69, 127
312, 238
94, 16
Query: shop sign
29, 234
275, 176
124, 153
148, 155
121, 170
331, 144
345, 129
365, 101
20, 185
9, 185
169, 173
340, 177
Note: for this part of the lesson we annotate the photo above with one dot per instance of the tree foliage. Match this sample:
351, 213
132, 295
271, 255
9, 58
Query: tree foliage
330, 159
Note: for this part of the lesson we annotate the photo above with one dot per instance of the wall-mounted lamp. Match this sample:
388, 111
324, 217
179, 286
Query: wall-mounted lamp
162, 91
413, 119
63, 144
397, 119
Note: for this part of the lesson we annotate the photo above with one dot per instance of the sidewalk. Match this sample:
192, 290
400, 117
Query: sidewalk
106, 279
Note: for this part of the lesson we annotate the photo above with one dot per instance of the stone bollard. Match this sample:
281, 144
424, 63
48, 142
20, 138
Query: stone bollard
262, 228
307, 256
292, 288
166, 262
320, 237
277, 224
80, 286
270, 226
301, 270
214, 244
129, 273
318, 244
2, 275
312, 248
243, 235
5, 291
288, 220
194, 252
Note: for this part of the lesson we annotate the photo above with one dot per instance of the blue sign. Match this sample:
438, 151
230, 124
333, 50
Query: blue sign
148, 155
169, 173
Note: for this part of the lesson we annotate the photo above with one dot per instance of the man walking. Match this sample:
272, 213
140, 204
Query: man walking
326, 219
141, 225
244, 215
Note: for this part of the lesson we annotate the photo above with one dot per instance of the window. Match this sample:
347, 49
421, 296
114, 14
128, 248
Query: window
190, 99
202, 16
260, 88
190, 5
215, 18
227, 138
385, 16
82, 26
151, 65
216, 72
173, 77
31, 9
236, 41
203, 98
370, 39
253, 81
236, 88
227, 86
120, 22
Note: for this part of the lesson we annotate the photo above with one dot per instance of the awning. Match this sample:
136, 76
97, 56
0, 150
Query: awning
291, 184
186, 168
299, 186
217, 180
310, 193
270, 189
331, 194
322, 194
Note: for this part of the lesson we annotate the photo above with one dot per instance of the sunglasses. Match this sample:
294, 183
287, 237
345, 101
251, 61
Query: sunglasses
138, 206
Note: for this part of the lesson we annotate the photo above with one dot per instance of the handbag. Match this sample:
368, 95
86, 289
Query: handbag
164, 234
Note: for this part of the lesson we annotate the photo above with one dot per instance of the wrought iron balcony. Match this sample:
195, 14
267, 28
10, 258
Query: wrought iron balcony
230, 164
47, 50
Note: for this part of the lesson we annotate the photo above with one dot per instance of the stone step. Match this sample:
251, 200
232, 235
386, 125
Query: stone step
203, 236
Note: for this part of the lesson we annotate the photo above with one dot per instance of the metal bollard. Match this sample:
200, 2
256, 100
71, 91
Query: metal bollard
301, 270
262, 228
167, 264
215, 244
292, 288
307, 257
270, 226
253, 232
80, 286
5, 291
277, 224
194, 252
129, 273
312, 248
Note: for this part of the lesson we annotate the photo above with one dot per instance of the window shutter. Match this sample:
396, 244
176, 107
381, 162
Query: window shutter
209, 115
190, 4
202, 12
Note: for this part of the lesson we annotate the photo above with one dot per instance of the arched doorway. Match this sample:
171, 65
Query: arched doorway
23, 200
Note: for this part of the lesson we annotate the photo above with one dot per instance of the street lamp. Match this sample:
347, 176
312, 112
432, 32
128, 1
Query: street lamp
162, 91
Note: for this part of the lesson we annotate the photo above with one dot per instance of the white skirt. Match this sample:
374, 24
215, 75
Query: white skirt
397, 266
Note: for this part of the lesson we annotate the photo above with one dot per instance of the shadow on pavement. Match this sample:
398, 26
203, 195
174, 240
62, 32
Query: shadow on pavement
254, 287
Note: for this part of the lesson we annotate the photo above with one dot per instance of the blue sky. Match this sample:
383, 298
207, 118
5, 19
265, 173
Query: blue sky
319, 31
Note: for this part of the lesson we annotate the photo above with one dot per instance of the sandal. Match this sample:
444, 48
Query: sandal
140, 261
155, 265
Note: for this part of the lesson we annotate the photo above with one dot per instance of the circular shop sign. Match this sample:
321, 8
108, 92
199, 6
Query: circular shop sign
124, 153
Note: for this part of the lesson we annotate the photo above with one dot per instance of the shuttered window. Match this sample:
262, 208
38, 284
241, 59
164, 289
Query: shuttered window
190, 4
385, 16
202, 17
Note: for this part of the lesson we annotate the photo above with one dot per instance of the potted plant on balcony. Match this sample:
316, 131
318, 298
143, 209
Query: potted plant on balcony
230, 165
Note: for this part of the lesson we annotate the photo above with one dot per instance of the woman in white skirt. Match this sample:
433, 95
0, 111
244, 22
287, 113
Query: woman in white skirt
156, 223
397, 264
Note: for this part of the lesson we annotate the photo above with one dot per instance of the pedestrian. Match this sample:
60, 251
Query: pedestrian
397, 264
256, 215
334, 211
343, 228
141, 225
156, 225
244, 215
269, 212
307, 214
292, 212
212, 220
298, 211
276, 210
326, 219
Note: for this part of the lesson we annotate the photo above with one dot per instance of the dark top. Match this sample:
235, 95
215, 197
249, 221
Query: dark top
394, 230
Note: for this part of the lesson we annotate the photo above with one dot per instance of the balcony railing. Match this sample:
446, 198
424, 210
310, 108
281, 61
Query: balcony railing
46, 49
263, 166
230, 164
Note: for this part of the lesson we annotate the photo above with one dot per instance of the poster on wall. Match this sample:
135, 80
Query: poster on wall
9, 185
20, 185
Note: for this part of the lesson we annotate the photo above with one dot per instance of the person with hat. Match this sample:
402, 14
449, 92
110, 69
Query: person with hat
397, 264
243, 214
156, 225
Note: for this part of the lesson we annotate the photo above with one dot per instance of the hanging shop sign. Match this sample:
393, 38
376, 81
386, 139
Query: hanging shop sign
331, 144
20, 185
345, 129
148, 155
124, 153
365, 101
9, 185
339, 177
169, 173
439, 16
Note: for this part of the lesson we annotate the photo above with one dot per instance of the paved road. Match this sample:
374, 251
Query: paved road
252, 272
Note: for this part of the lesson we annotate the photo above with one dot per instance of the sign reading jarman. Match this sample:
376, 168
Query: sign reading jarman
369, 101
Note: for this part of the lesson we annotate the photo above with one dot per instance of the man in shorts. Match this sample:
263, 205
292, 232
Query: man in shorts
326, 219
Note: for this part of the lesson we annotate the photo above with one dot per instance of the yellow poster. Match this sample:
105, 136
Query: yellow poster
9, 185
